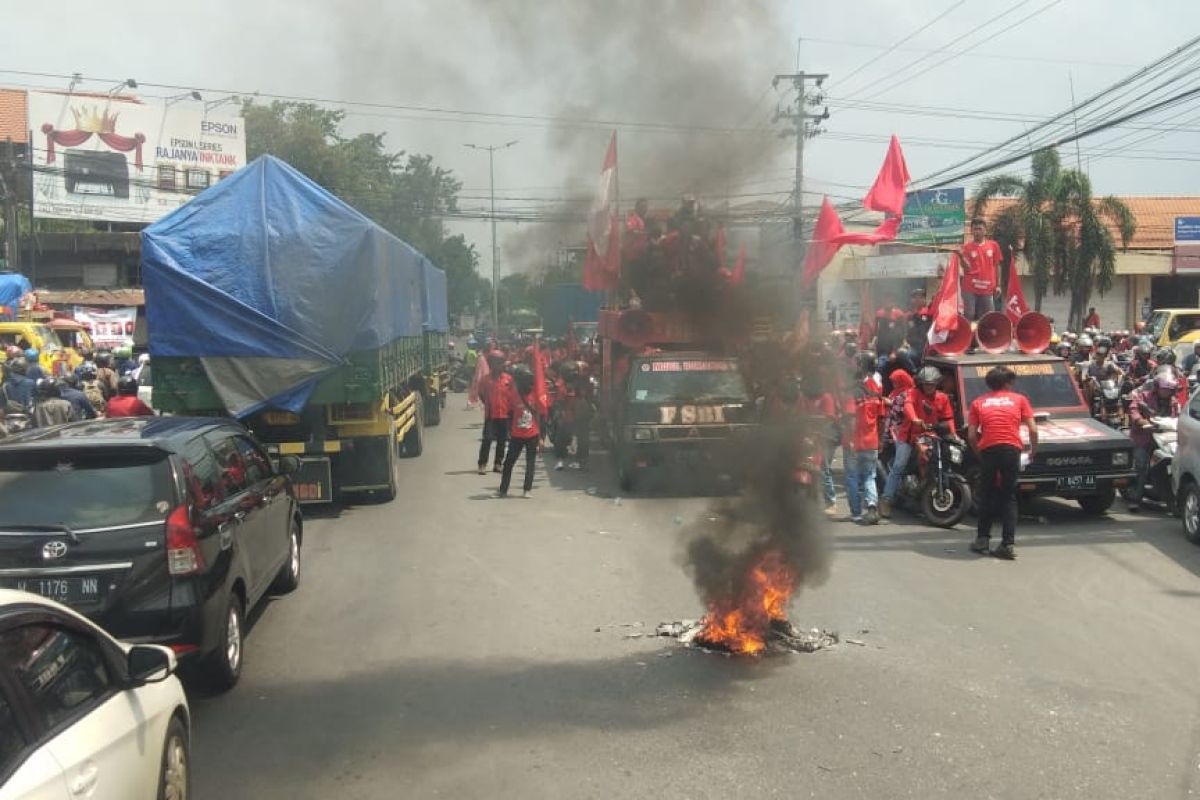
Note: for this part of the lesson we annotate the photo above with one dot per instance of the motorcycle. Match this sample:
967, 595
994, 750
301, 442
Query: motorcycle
944, 494
1107, 405
17, 422
1158, 479
460, 376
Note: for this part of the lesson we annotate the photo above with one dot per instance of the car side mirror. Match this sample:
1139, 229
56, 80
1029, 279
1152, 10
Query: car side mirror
1041, 416
149, 664
289, 465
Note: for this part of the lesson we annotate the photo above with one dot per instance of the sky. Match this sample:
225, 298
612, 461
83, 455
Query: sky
687, 85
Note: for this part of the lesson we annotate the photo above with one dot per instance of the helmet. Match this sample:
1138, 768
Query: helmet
1164, 355
32, 354
104, 359
1166, 380
1054, 339
47, 387
1103, 345
19, 365
1084, 343
71, 379
929, 375
87, 371
866, 363
127, 386
123, 352
1144, 349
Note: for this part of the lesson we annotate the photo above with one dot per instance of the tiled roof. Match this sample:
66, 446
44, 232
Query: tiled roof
1155, 218
14, 121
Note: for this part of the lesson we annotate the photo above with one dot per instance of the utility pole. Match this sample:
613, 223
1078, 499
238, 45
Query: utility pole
491, 151
802, 130
8, 192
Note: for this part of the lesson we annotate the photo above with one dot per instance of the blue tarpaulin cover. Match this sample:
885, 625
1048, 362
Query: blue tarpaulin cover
433, 284
13, 286
271, 281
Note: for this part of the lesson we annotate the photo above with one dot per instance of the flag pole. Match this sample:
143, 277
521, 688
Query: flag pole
613, 293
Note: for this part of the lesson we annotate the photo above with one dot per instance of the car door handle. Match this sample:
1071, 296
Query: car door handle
85, 781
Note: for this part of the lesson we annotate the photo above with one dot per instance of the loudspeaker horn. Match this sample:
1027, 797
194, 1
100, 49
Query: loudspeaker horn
994, 332
959, 339
1033, 333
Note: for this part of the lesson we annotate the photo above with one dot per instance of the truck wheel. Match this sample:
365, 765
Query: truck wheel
1098, 503
414, 441
1189, 510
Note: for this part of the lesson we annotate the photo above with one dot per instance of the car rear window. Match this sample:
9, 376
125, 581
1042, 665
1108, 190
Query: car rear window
84, 489
1047, 384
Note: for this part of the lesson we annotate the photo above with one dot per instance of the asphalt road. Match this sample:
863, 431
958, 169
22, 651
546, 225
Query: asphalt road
445, 645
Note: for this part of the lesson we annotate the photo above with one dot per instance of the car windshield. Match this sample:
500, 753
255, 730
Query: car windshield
697, 381
1182, 324
83, 489
49, 339
1156, 323
1047, 384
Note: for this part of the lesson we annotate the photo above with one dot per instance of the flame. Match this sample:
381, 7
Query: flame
741, 624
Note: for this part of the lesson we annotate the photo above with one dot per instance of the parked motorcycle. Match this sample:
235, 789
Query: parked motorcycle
945, 494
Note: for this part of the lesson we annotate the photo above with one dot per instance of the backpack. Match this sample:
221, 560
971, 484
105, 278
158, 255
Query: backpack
95, 395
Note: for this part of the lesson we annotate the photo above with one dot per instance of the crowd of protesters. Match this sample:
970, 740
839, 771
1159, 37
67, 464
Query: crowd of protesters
104, 384
533, 394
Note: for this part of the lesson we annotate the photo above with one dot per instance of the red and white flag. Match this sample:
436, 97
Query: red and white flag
602, 264
946, 305
1014, 297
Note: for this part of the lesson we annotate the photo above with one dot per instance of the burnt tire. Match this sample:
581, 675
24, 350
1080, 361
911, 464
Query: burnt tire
175, 773
1098, 503
1189, 511
947, 509
224, 667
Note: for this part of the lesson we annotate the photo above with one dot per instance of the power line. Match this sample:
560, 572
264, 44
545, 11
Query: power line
1007, 57
899, 42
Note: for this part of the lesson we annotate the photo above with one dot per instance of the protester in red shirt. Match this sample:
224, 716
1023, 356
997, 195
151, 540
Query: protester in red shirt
127, 403
896, 432
1093, 319
635, 221
493, 391
994, 432
861, 450
523, 426
925, 409
981, 260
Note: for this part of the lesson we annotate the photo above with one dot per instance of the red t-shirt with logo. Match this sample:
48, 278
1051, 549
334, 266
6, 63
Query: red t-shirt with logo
868, 408
982, 262
999, 415
500, 404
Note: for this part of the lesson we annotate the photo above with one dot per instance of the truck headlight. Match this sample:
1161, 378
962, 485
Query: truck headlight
955, 455
1120, 458
643, 434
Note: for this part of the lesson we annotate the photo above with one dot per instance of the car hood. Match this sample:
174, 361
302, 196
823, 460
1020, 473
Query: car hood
1078, 434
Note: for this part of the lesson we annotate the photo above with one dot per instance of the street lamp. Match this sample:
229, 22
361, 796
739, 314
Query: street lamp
211, 104
192, 95
128, 83
491, 151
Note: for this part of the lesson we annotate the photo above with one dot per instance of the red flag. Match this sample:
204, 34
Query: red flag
946, 304
1014, 298
886, 232
481, 369
866, 317
739, 267
541, 393
887, 194
602, 263
822, 248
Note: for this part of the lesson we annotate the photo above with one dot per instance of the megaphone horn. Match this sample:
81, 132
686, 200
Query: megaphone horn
994, 332
1033, 333
959, 339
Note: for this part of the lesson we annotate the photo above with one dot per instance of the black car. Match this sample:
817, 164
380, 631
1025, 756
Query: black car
1078, 457
164, 530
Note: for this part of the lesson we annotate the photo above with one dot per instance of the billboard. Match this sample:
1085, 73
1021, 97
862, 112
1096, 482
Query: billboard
109, 159
934, 216
1187, 244
109, 328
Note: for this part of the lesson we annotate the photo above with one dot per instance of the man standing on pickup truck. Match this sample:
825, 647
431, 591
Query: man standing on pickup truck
994, 433
981, 259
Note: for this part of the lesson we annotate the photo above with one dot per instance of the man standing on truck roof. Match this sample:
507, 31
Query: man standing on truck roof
994, 433
981, 260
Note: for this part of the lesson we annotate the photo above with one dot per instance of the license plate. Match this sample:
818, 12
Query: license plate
76, 590
1075, 482
281, 418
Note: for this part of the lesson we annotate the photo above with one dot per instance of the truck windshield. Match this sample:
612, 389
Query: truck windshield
1047, 384
686, 380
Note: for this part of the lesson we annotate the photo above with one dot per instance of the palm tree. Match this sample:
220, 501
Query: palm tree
1066, 242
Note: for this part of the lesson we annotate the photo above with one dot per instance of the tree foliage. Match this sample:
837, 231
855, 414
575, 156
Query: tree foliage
405, 193
1061, 228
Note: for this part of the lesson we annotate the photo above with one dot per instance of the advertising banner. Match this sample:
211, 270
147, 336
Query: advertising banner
1187, 244
934, 216
110, 159
110, 328
907, 265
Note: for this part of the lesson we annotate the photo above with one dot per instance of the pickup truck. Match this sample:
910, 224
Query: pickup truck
1078, 457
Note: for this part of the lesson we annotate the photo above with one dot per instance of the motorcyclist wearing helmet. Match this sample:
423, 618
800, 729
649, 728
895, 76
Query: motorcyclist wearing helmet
1142, 366
106, 374
71, 390
1083, 350
127, 403
49, 408
123, 356
925, 408
34, 371
1102, 365
18, 386
1157, 399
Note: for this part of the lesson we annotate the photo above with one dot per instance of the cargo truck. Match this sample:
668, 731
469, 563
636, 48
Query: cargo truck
270, 300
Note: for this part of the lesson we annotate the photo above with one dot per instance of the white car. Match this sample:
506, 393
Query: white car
83, 715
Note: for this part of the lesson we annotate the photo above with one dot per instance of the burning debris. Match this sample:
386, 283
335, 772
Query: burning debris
781, 637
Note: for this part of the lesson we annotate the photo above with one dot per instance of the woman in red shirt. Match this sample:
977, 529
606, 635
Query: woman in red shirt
523, 429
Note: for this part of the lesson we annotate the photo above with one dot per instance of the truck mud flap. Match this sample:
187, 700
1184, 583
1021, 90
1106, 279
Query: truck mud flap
314, 481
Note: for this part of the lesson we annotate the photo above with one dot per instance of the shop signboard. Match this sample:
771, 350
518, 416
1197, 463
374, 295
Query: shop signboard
115, 159
906, 265
1187, 244
934, 216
